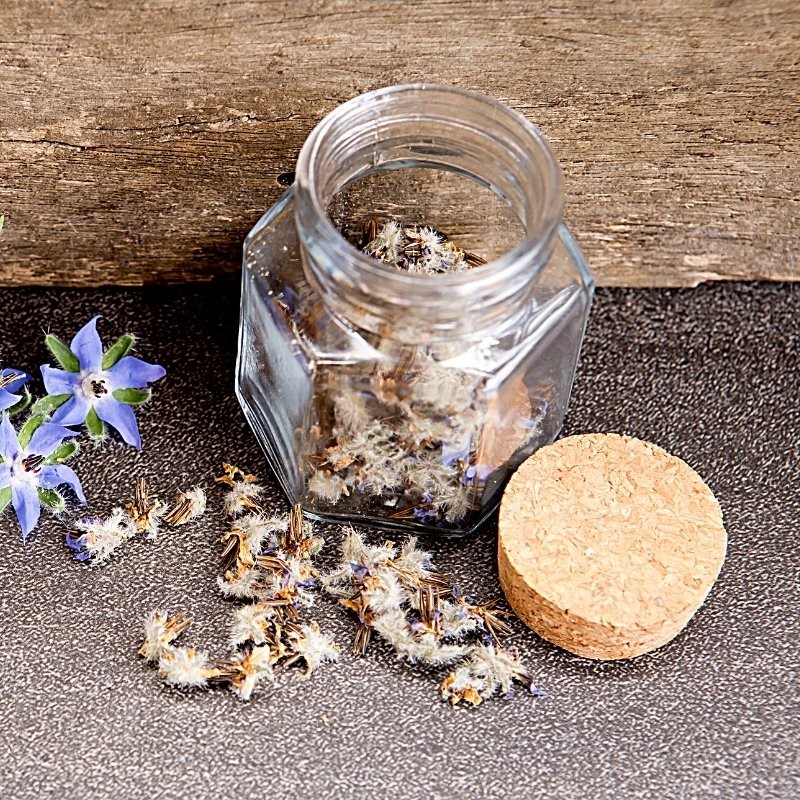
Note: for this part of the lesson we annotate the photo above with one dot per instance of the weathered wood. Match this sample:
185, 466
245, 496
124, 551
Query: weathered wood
140, 141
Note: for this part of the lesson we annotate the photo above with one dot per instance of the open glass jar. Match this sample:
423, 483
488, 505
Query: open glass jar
398, 398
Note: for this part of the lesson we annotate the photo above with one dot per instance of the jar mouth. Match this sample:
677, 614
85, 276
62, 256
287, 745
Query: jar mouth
521, 170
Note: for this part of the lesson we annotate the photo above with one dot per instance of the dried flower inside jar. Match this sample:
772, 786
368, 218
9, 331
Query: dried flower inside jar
409, 432
392, 374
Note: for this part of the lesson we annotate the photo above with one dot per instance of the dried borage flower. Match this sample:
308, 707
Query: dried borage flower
395, 593
96, 387
94, 539
267, 561
420, 250
411, 437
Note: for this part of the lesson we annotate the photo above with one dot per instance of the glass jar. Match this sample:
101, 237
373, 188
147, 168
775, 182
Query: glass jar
406, 399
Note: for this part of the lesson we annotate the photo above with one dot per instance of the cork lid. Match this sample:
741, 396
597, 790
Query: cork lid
608, 544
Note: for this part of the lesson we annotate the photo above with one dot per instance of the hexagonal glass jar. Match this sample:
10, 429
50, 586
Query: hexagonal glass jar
399, 399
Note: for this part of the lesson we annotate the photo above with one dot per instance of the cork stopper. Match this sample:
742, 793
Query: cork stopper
608, 544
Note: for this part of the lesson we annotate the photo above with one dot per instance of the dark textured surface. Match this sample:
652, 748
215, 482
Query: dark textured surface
711, 374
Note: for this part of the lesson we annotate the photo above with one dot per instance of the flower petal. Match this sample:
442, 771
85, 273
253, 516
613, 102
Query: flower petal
52, 476
133, 373
9, 444
59, 381
46, 438
26, 505
120, 416
7, 399
73, 412
5, 474
87, 346
16, 385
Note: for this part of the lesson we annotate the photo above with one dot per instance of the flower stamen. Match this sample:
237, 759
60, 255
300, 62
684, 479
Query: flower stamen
32, 463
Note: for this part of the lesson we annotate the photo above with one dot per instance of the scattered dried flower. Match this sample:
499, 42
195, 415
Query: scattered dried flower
398, 595
267, 560
189, 505
185, 666
145, 514
100, 536
253, 623
241, 585
160, 632
247, 669
242, 497
312, 646
486, 671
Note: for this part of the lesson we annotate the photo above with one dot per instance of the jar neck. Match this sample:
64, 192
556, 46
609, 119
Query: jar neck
423, 125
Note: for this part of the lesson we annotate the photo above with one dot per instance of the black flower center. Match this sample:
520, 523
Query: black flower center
98, 388
32, 463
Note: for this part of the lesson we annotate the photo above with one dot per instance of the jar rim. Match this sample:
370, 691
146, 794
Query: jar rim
537, 235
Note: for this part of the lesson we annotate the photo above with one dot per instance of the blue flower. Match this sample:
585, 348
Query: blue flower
80, 545
11, 381
30, 468
97, 387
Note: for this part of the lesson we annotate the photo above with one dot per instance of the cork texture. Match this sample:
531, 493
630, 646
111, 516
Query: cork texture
608, 545
710, 374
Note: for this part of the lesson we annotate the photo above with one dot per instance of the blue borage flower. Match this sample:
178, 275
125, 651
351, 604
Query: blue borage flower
31, 468
11, 382
96, 387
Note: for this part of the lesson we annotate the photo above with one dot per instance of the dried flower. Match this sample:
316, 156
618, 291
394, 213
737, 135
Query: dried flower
185, 666
242, 497
160, 632
415, 249
32, 468
96, 387
252, 623
486, 671
233, 475
398, 595
327, 485
189, 505
248, 668
100, 536
387, 243
311, 646
145, 514
241, 585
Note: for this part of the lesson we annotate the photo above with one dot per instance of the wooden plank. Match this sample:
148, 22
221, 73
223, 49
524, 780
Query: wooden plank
140, 142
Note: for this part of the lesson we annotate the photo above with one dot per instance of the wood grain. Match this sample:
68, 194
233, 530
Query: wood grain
139, 142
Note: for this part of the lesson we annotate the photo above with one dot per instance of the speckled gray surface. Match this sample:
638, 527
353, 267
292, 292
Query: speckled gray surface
711, 374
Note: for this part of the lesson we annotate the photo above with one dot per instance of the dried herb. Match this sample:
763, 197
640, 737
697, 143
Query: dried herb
396, 593
145, 514
266, 560
94, 539
419, 250
411, 438
190, 504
